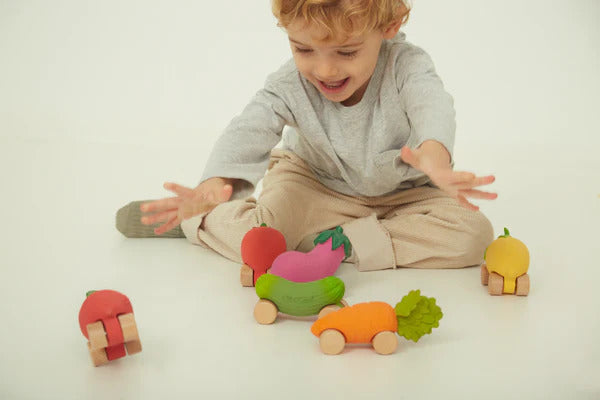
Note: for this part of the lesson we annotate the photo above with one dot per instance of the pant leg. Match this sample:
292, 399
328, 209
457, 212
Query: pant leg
292, 201
435, 231
417, 228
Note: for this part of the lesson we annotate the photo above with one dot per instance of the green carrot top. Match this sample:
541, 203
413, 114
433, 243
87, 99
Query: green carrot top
338, 239
417, 315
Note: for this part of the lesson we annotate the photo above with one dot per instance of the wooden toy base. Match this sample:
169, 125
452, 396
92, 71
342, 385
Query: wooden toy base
385, 342
246, 276
98, 342
332, 342
331, 308
495, 283
265, 311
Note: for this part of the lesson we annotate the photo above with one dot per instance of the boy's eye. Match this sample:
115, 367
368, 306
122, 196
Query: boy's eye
348, 53
301, 50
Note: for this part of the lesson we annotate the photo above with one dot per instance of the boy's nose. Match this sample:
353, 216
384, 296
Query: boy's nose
327, 71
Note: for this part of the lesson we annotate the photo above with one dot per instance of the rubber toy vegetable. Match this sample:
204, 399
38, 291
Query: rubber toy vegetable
260, 246
377, 323
277, 294
506, 265
106, 320
331, 248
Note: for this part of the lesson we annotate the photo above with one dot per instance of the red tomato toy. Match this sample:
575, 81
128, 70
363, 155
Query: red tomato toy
106, 320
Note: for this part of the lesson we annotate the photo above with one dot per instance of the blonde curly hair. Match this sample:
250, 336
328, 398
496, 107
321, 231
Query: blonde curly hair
341, 19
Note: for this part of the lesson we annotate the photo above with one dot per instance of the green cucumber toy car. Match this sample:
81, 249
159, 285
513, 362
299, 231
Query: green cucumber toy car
299, 299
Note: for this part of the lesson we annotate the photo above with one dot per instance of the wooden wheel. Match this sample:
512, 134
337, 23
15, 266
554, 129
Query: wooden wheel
97, 335
385, 342
246, 276
332, 341
131, 337
133, 347
485, 275
328, 310
522, 285
331, 308
129, 328
495, 284
265, 312
98, 356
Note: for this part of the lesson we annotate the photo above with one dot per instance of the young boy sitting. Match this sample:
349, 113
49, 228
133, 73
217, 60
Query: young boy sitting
368, 147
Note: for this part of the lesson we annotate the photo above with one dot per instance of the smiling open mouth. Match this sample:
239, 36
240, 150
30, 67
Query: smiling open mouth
334, 87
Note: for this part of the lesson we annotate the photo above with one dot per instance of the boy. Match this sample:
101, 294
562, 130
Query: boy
369, 148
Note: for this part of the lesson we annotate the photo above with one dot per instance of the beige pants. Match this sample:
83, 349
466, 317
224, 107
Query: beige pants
417, 228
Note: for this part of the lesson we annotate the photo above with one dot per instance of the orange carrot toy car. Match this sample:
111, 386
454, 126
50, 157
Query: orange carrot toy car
377, 323
106, 319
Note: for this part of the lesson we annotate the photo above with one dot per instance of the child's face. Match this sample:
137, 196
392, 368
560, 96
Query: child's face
339, 70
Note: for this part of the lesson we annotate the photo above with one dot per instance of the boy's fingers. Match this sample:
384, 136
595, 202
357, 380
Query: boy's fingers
226, 193
462, 177
160, 205
474, 182
179, 190
158, 217
478, 194
196, 203
484, 180
188, 209
464, 202
408, 156
172, 223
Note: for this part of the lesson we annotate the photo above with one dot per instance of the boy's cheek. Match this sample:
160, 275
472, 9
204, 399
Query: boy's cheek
300, 64
304, 71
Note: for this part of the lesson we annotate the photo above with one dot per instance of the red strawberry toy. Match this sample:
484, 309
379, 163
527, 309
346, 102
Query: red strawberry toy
260, 246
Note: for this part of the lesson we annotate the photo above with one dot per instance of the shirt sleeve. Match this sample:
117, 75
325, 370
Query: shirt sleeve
429, 108
243, 149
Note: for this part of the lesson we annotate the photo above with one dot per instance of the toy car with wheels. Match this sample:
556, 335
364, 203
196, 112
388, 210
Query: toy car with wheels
377, 323
106, 319
278, 294
506, 265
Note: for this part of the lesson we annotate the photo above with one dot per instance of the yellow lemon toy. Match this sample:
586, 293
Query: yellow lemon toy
506, 265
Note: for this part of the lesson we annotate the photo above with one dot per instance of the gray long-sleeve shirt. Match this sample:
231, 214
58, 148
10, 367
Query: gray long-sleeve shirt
353, 150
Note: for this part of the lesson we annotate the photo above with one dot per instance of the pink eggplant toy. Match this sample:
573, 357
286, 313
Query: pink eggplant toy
331, 248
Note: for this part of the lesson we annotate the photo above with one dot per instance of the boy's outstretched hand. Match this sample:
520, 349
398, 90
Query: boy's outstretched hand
433, 159
188, 203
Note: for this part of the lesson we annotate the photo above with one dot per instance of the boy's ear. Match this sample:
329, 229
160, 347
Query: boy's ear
392, 30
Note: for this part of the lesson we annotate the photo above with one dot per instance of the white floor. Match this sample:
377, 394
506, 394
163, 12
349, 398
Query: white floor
101, 104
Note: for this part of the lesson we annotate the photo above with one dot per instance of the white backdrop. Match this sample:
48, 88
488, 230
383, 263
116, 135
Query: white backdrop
101, 102
176, 72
